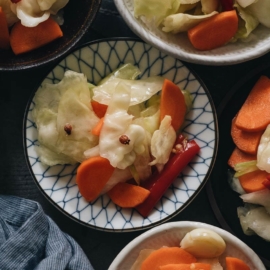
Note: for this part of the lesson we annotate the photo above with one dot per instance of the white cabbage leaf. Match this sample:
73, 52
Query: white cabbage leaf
155, 10
10, 15
162, 143
140, 90
52, 112
261, 197
33, 12
208, 6
261, 10
126, 71
255, 220
245, 3
182, 22
247, 23
117, 123
263, 152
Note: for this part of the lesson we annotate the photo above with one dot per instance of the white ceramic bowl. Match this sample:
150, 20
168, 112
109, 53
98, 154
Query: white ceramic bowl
180, 47
170, 234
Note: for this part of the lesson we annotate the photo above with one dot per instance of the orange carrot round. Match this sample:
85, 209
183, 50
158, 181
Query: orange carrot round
246, 141
24, 39
182, 266
172, 103
254, 114
236, 264
167, 255
239, 156
4, 32
92, 176
215, 31
99, 109
128, 195
97, 128
253, 181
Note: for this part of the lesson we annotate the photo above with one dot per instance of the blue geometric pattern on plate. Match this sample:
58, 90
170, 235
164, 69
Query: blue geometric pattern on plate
96, 60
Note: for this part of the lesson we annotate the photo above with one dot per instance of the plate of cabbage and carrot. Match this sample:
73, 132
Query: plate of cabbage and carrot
120, 136
210, 32
243, 162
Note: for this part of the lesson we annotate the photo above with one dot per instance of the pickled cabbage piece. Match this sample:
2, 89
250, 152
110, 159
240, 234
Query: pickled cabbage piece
162, 143
126, 71
208, 6
261, 197
140, 90
255, 221
182, 22
263, 152
120, 151
52, 111
155, 10
33, 12
261, 10
245, 3
247, 23
6, 7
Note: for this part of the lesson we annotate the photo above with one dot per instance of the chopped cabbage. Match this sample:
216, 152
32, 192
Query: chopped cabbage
33, 12
182, 22
208, 6
155, 10
263, 152
140, 90
245, 3
255, 220
118, 123
247, 23
52, 113
261, 10
261, 197
162, 143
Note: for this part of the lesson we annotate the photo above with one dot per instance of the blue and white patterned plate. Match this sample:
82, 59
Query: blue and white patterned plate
96, 60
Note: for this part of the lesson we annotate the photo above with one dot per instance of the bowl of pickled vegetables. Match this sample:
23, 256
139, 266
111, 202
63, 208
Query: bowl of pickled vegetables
187, 245
37, 32
120, 136
204, 32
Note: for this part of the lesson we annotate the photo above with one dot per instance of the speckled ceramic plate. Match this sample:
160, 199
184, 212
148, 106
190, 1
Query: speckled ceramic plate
171, 233
180, 47
58, 183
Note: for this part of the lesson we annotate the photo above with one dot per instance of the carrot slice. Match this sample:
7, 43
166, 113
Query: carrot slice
246, 141
24, 39
97, 128
128, 195
236, 264
167, 255
254, 114
215, 31
192, 266
172, 103
253, 181
4, 33
99, 109
239, 156
92, 176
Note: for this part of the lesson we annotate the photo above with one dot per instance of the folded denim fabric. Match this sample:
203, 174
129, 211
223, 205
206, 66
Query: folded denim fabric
29, 239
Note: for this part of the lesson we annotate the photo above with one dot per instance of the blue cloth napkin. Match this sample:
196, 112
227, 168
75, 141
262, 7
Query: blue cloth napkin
29, 239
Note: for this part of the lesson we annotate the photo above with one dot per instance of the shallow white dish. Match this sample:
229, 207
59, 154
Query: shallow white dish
171, 233
96, 60
180, 47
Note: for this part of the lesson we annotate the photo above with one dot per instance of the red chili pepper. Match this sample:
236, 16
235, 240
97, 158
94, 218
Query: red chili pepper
158, 183
227, 5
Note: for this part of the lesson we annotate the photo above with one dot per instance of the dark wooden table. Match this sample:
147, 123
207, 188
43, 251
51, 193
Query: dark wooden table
15, 179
